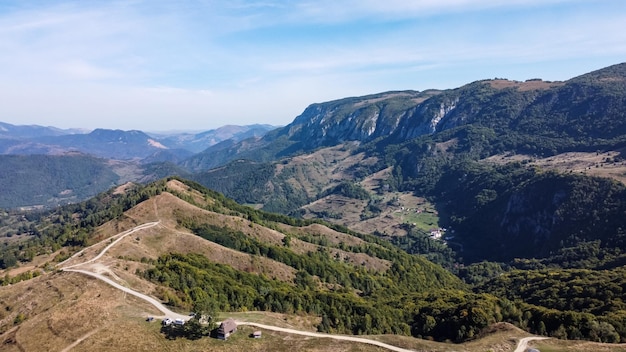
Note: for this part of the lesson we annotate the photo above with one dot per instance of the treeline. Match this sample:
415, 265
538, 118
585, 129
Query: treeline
578, 292
27, 275
347, 189
440, 314
342, 311
407, 273
235, 290
224, 205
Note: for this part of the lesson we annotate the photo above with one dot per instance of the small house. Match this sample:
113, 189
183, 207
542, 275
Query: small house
227, 328
256, 335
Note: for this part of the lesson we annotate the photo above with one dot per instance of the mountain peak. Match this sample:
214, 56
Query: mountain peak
614, 73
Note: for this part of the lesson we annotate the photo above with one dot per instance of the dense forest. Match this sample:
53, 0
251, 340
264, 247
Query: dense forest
52, 180
445, 315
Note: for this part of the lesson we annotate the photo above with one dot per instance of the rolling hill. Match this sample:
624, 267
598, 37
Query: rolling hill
194, 249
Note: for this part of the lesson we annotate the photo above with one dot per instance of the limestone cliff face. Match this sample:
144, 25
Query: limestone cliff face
518, 113
406, 115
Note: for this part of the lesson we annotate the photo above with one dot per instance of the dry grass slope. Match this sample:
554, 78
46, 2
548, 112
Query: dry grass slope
607, 164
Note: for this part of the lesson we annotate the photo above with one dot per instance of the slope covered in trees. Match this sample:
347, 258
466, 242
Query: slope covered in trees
409, 295
437, 144
51, 180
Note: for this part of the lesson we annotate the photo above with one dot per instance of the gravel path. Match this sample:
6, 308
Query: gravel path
523, 343
329, 336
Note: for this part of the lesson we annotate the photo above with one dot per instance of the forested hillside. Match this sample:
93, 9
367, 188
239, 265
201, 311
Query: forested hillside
438, 144
355, 283
50, 180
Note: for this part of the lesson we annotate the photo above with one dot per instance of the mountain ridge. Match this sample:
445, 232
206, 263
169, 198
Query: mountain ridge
403, 115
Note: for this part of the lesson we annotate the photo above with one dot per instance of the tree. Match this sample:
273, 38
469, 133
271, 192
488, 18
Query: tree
194, 329
203, 307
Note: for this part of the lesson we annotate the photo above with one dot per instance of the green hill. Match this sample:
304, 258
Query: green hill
355, 284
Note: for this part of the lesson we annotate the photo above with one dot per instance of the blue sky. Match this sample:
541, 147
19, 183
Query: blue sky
161, 65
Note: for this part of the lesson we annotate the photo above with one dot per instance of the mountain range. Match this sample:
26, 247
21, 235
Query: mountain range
37, 177
116, 144
516, 153
436, 214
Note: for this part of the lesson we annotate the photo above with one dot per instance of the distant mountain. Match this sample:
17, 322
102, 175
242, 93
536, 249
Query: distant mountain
17, 139
113, 144
197, 142
120, 156
33, 131
118, 144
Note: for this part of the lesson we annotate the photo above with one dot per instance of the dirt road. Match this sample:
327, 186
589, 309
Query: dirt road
166, 312
120, 236
334, 337
523, 343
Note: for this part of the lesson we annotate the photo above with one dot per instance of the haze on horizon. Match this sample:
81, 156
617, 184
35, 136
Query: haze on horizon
201, 64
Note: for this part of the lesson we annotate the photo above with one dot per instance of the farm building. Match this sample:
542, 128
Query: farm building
227, 327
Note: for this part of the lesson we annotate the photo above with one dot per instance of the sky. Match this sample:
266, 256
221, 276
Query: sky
163, 65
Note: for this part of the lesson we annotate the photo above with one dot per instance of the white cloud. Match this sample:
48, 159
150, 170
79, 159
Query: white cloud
199, 64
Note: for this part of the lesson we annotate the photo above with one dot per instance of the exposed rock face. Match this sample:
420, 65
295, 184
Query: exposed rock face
406, 115
564, 111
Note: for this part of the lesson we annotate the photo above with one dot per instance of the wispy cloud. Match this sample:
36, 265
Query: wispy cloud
201, 61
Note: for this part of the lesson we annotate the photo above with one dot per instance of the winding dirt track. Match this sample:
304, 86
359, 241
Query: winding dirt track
168, 313
120, 236
335, 337
81, 339
521, 347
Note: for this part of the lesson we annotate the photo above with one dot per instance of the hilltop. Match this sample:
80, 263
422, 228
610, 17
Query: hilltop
328, 260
